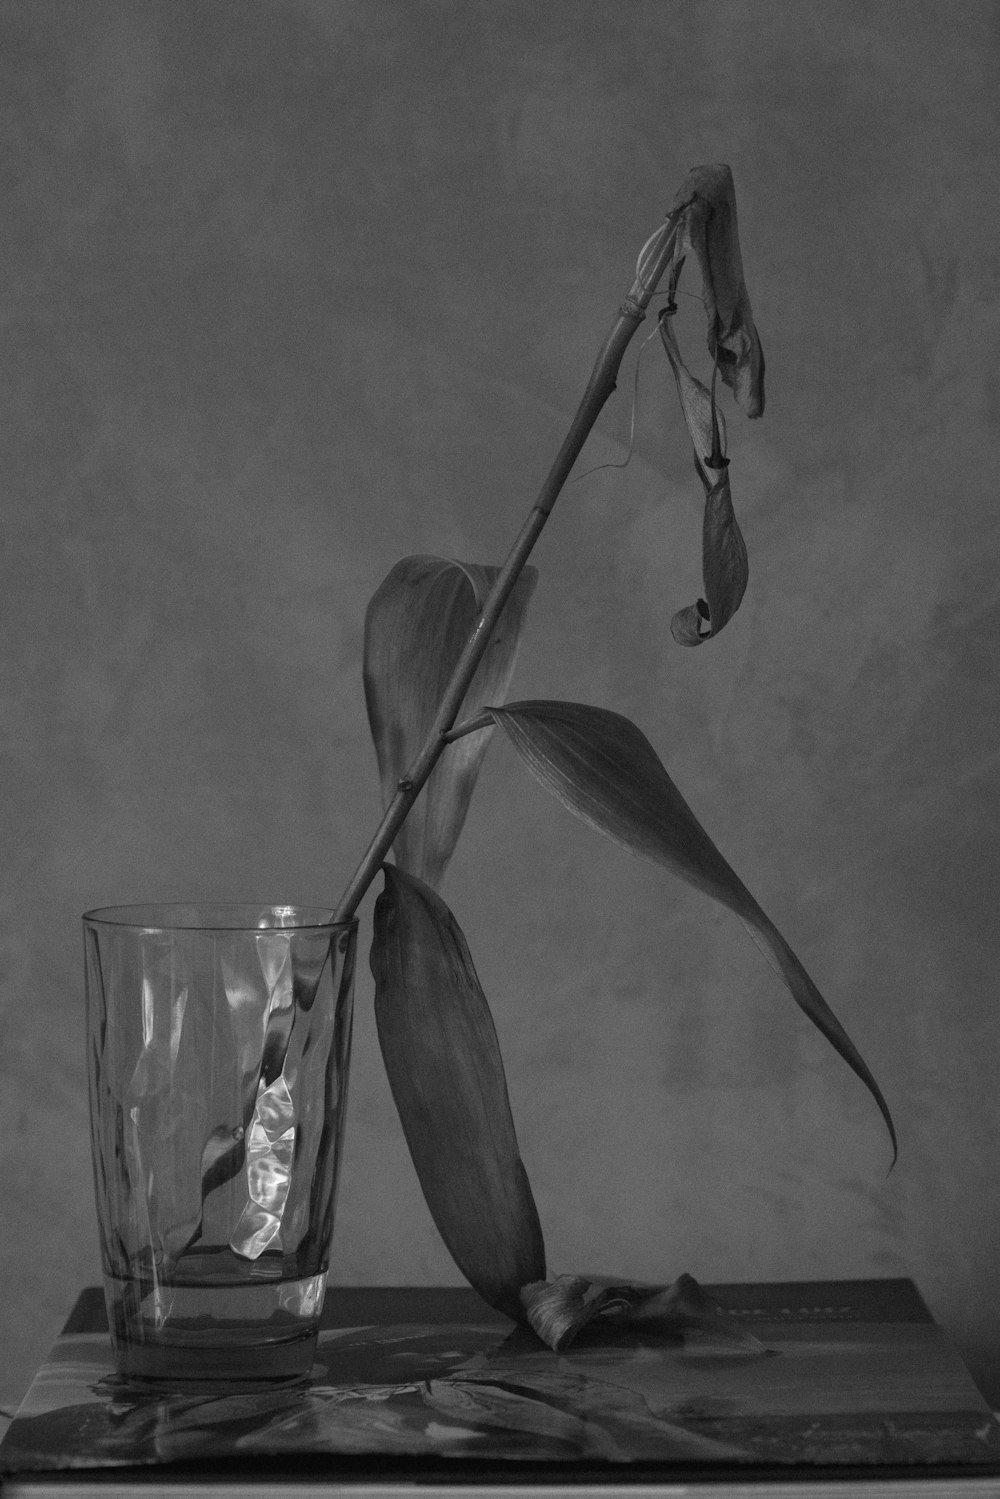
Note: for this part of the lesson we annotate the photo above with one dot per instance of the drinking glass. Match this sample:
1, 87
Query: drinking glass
218, 1044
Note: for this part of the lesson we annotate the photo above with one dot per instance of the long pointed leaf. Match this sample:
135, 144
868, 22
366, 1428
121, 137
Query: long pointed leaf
604, 769
443, 1060
416, 626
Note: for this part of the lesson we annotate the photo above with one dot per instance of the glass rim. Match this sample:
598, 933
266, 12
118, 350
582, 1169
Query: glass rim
217, 916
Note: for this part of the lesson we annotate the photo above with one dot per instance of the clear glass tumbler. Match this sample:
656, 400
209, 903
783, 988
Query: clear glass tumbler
218, 1045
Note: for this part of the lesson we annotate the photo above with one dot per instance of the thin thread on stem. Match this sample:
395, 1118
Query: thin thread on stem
632, 421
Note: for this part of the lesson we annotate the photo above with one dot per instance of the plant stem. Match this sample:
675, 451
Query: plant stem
653, 261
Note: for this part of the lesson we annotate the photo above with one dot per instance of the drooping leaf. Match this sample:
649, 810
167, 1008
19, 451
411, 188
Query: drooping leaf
711, 230
706, 427
415, 629
443, 1060
559, 1309
724, 553
724, 570
603, 769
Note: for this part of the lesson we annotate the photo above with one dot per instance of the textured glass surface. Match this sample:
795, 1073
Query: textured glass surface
219, 1042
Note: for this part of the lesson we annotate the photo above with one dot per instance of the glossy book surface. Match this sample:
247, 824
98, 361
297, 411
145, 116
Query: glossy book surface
429, 1383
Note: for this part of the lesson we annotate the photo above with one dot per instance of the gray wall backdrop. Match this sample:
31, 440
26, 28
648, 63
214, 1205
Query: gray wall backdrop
291, 288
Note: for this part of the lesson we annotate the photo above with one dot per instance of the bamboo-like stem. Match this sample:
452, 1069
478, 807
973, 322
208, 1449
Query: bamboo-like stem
654, 258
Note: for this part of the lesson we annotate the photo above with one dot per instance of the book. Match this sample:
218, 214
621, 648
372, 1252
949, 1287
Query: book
848, 1387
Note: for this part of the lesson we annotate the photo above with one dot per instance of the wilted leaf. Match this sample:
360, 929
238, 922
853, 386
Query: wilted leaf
415, 629
604, 769
724, 570
706, 426
561, 1308
710, 229
444, 1066
724, 553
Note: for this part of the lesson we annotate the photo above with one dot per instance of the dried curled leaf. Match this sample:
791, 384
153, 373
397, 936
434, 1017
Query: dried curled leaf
724, 570
706, 424
443, 1060
724, 553
603, 769
416, 626
708, 200
561, 1308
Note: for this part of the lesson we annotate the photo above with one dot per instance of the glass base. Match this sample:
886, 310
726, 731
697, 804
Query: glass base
169, 1366
188, 1334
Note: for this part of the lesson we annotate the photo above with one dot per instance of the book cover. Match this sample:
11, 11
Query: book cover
853, 1379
